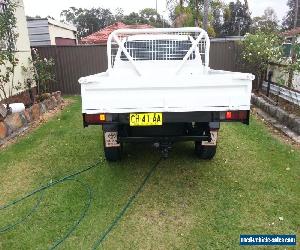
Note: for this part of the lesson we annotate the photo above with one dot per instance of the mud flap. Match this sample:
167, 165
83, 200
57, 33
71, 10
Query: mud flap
214, 138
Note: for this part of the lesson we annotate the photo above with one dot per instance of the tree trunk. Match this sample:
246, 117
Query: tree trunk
181, 4
205, 16
197, 14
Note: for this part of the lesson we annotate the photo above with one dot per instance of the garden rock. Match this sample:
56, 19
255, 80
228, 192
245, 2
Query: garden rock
3, 130
58, 97
35, 112
289, 120
27, 114
14, 121
17, 122
43, 108
282, 115
49, 103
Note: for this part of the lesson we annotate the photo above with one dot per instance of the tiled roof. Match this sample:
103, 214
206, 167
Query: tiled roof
292, 32
101, 36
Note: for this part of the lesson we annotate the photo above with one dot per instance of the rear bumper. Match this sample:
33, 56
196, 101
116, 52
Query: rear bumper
173, 117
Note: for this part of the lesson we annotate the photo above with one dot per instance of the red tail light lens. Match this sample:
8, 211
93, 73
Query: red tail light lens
236, 115
228, 115
95, 119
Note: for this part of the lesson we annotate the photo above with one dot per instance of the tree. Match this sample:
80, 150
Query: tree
133, 18
237, 19
88, 21
33, 17
119, 14
259, 49
8, 60
268, 22
185, 13
217, 17
146, 16
289, 20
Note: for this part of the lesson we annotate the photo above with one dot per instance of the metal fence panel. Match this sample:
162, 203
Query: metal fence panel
73, 62
289, 95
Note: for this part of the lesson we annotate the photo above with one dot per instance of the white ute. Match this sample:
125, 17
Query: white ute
159, 88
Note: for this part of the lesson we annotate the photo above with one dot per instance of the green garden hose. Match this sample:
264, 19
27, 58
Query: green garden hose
41, 190
124, 209
85, 209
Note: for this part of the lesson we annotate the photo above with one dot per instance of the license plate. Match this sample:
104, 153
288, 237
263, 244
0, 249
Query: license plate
111, 139
146, 119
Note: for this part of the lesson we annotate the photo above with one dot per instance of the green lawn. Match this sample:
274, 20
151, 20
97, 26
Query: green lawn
186, 204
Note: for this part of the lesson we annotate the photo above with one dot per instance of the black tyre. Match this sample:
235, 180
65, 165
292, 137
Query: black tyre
112, 153
205, 152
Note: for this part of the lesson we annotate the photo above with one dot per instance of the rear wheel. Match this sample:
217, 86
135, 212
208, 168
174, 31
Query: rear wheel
205, 152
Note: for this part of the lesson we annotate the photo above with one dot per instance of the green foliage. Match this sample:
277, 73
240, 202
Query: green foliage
268, 22
237, 19
43, 71
217, 16
289, 19
92, 20
184, 16
8, 60
146, 16
224, 19
88, 21
259, 49
291, 63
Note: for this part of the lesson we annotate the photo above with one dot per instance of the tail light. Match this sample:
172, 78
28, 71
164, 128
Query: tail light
241, 115
96, 118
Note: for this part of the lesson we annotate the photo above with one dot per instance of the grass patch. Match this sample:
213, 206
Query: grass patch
187, 203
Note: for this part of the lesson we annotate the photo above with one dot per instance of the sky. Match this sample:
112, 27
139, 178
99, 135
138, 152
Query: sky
54, 7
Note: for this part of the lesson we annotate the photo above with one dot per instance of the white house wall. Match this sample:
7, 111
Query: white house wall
22, 47
56, 31
280, 76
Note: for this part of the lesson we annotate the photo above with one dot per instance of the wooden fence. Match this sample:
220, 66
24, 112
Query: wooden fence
73, 62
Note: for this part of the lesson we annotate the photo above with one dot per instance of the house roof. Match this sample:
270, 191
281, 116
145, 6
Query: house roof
292, 32
101, 36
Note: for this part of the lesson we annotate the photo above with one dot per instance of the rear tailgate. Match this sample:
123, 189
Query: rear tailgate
212, 93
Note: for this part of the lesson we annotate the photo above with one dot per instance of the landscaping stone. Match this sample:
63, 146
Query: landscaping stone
55, 102
43, 108
17, 122
272, 110
50, 103
23, 118
58, 97
35, 112
3, 130
289, 120
14, 121
56, 94
295, 124
3, 112
27, 114
282, 116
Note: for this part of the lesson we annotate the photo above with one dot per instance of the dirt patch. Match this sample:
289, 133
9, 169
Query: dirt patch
34, 125
16, 179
